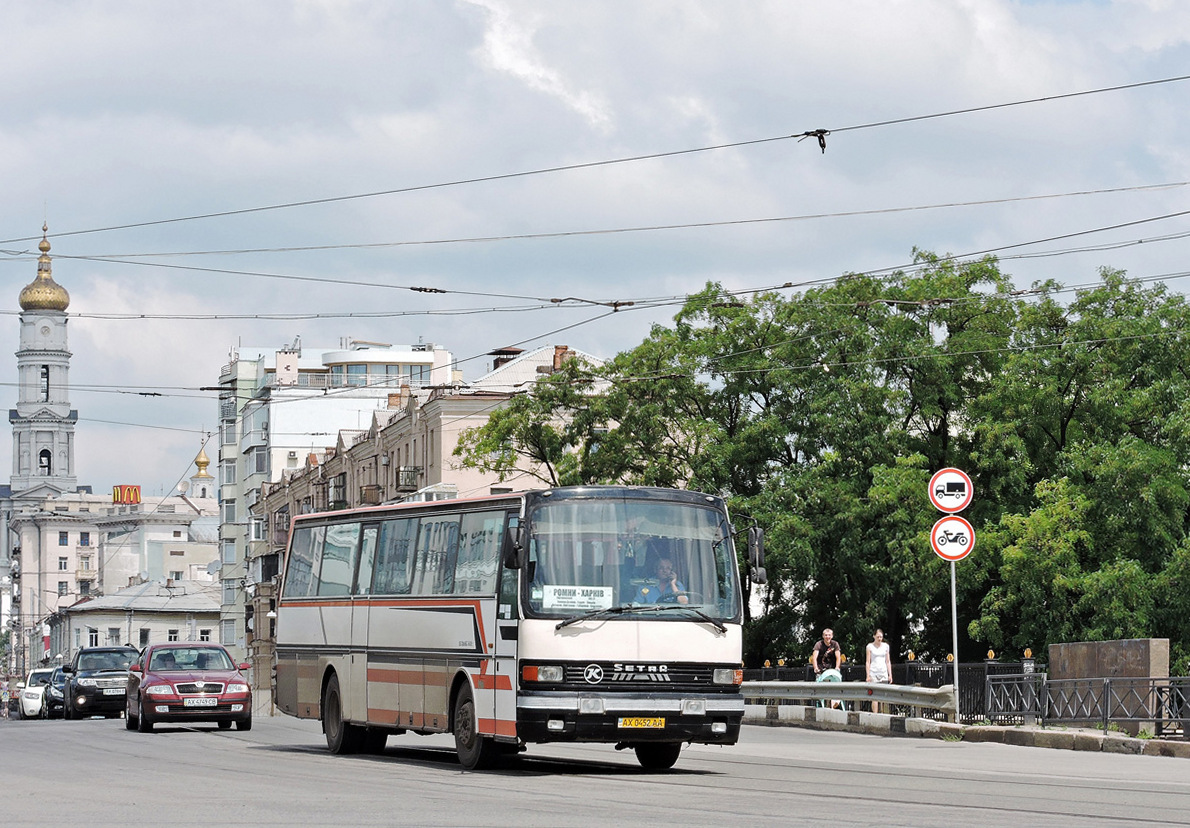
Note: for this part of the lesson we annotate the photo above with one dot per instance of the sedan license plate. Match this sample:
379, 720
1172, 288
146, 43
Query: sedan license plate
113, 691
200, 701
637, 722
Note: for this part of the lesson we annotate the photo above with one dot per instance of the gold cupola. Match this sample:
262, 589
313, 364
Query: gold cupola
43, 293
202, 461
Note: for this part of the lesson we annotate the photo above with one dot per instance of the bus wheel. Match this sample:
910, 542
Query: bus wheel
658, 755
475, 752
341, 737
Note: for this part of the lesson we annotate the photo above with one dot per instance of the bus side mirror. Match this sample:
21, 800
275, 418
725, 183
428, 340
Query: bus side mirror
514, 547
756, 555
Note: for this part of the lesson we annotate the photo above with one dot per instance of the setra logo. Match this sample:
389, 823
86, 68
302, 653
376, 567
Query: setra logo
593, 674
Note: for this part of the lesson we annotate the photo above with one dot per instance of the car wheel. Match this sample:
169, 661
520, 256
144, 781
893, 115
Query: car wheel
341, 737
143, 725
44, 713
244, 724
475, 752
130, 722
658, 755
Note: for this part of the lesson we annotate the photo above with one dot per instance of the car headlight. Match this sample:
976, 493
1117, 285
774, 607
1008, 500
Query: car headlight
237, 688
85, 682
55, 692
159, 690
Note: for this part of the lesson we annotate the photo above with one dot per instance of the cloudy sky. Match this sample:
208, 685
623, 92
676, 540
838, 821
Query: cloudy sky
149, 135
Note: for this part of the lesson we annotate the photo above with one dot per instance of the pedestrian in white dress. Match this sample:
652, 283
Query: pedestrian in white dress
879, 663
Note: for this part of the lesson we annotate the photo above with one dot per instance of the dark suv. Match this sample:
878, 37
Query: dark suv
96, 681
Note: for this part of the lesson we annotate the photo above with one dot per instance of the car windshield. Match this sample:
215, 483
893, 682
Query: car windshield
588, 555
190, 659
39, 678
110, 660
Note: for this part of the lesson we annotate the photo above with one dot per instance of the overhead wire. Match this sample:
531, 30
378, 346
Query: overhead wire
819, 133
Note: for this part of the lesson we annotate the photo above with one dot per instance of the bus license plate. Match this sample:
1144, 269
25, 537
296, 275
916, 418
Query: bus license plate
200, 701
655, 724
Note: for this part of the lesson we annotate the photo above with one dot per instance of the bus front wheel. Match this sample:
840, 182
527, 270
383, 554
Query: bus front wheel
475, 752
341, 737
658, 755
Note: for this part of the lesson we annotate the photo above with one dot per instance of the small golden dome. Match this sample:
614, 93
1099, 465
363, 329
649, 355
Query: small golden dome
202, 461
43, 293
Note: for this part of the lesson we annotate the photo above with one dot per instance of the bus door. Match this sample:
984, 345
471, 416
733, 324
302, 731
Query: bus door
356, 704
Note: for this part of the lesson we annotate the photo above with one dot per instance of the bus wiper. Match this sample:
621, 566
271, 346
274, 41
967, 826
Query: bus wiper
712, 621
599, 613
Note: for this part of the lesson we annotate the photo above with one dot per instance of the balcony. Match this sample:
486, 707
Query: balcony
85, 574
371, 495
408, 478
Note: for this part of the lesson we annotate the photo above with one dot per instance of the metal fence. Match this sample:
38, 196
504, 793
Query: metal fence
972, 680
1162, 703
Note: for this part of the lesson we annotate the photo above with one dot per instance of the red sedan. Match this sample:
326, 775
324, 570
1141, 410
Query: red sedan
187, 682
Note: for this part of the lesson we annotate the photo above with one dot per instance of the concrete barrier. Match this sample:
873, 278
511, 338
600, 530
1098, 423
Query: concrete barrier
853, 721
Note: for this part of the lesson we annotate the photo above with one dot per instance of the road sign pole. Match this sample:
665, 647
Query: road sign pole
954, 630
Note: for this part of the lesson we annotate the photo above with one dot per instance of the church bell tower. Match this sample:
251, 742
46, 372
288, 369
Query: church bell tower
43, 422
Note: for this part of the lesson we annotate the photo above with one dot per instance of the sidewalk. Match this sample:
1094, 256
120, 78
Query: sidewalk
882, 724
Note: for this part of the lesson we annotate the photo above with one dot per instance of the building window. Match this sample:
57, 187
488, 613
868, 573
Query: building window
63, 587
229, 551
177, 553
84, 587
227, 472
78, 638
229, 511
227, 632
260, 461
229, 433
113, 636
85, 563
63, 539
256, 528
45, 383
45, 462
204, 635
92, 637
177, 574
63, 564
229, 590
84, 538
144, 636
171, 635
357, 375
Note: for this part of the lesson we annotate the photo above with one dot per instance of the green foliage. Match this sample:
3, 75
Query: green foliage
823, 415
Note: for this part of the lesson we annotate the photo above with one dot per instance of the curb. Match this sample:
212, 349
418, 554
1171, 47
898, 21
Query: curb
882, 724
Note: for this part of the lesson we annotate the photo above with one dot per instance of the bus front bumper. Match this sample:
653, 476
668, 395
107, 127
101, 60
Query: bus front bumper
630, 718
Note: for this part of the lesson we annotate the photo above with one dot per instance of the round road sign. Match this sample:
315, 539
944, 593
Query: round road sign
950, 490
953, 538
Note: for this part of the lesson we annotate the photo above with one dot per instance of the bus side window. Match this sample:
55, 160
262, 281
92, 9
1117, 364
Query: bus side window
394, 557
437, 549
367, 556
480, 541
338, 559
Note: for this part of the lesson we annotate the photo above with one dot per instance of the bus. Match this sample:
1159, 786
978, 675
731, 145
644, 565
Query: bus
517, 619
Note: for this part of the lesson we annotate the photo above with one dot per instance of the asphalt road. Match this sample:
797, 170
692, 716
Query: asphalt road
95, 773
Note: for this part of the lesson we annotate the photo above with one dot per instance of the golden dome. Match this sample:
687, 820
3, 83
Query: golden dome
202, 461
43, 293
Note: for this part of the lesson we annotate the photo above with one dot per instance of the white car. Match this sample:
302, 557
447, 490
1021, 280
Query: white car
33, 693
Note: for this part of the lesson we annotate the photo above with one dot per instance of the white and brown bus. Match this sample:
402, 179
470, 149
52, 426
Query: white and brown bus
513, 619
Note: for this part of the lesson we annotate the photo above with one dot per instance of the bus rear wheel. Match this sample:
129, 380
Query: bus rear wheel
658, 755
475, 752
341, 737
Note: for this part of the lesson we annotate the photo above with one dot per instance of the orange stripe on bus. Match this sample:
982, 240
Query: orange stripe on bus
496, 727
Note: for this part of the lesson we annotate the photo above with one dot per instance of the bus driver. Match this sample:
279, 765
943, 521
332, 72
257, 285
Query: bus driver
668, 589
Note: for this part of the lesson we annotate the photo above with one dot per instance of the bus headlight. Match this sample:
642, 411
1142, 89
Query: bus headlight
726, 675
551, 672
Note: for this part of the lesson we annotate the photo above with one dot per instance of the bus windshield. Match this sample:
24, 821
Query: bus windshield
588, 555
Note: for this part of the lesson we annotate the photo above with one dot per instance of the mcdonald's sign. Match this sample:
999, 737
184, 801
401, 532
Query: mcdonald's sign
126, 494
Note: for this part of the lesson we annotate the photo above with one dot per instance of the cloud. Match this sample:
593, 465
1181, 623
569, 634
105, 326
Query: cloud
508, 47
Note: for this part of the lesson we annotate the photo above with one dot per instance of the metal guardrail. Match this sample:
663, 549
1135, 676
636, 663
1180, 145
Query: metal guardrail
1164, 702
931, 698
